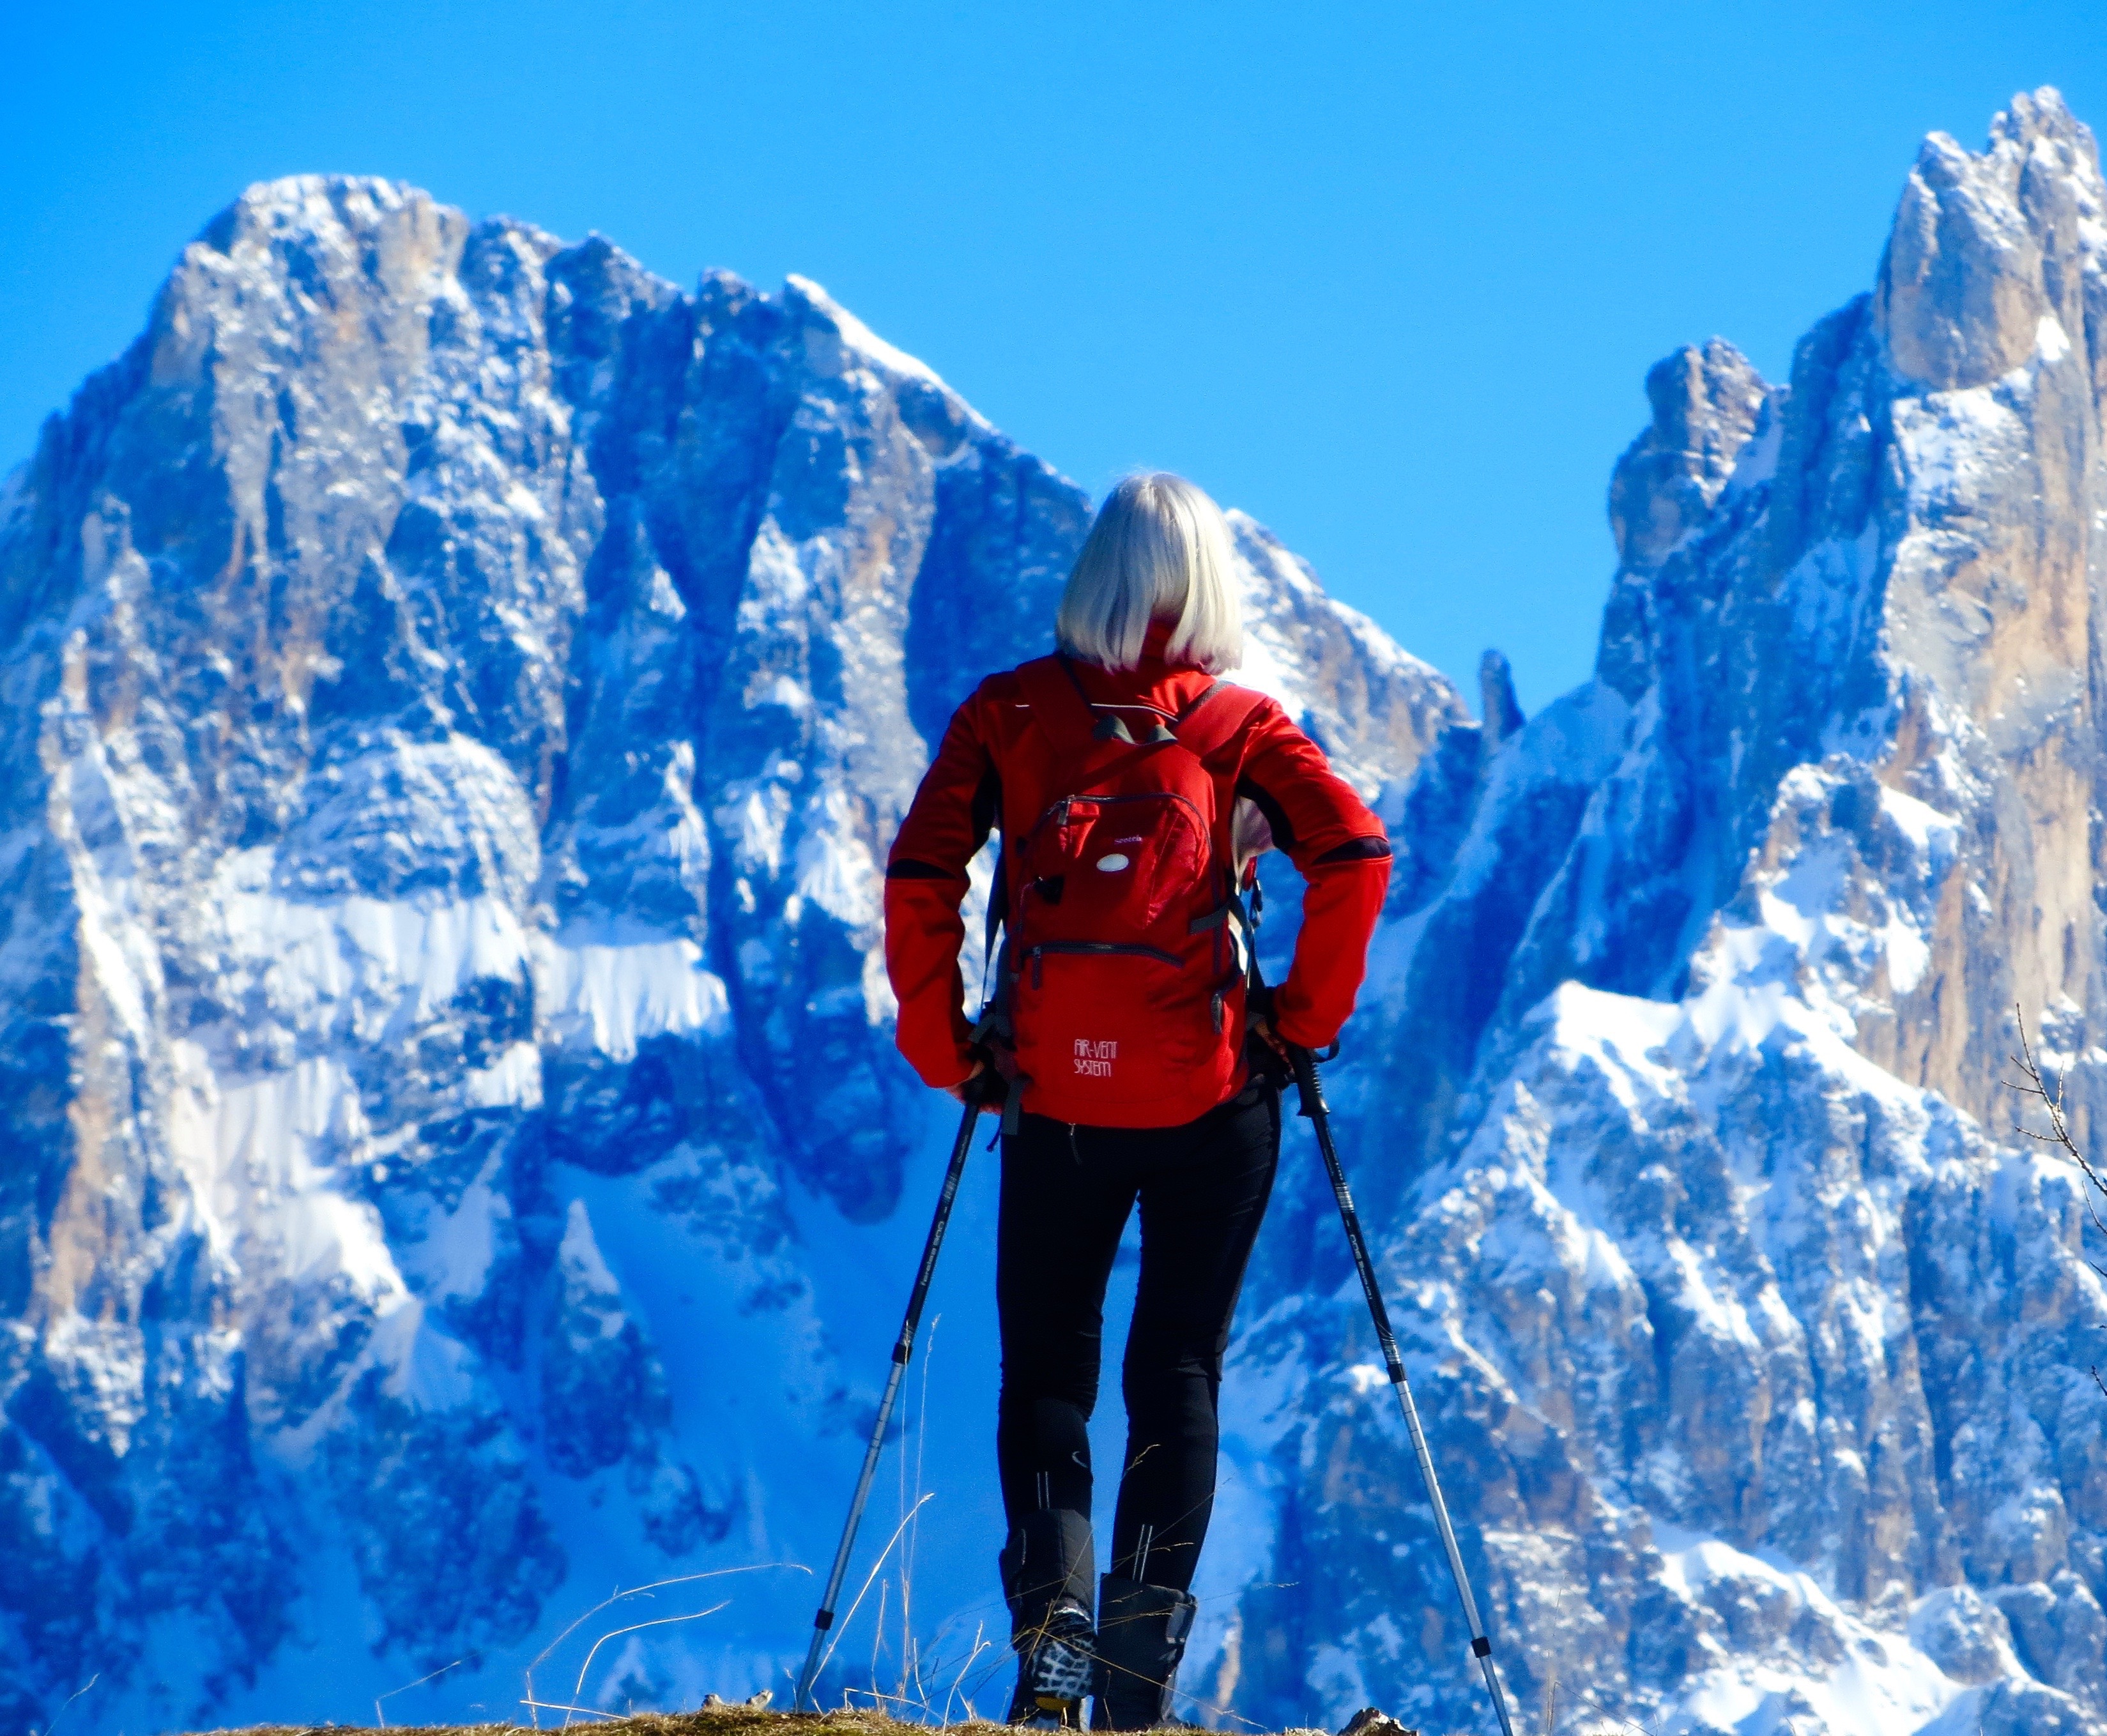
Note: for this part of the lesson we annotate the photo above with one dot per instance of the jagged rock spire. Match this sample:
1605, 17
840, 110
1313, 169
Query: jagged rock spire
1704, 399
1986, 247
1498, 707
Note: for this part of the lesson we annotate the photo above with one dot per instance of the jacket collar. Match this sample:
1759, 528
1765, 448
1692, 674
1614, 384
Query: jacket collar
1155, 682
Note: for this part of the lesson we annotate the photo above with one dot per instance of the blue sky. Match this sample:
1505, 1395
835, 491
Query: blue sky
1387, 277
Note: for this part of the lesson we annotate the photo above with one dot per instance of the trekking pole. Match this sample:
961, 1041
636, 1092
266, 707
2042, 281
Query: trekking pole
902, 1351
1311, 1088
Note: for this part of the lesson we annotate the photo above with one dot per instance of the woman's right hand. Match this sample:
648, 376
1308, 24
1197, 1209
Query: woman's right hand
1261, 1028
957, 1093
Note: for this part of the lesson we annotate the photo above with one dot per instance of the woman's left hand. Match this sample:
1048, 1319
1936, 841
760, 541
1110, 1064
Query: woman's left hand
957, 1093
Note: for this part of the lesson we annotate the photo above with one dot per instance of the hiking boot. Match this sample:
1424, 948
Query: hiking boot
1055, 1665
1048, 1568
1141, 1638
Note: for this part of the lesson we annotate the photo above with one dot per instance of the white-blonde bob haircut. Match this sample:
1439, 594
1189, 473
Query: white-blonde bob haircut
1159, 551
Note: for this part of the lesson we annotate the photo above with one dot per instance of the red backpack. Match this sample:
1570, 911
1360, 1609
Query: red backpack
1122, 977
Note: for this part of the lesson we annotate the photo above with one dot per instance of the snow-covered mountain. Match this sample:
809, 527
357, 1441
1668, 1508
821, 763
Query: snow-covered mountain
457, 691
1758, 1341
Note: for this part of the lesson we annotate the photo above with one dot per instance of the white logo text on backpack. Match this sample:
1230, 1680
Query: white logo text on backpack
1095, 1060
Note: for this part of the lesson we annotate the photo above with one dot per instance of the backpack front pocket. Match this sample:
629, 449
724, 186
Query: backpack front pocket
1106, 1023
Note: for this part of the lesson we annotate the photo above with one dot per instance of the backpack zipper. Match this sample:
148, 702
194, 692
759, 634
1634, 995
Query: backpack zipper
1058, 812
1037, 954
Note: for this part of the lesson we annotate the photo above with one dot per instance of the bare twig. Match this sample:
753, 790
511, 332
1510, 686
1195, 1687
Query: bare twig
558, 1705
910, 1653
578, 1692
1214, 1711
971, 1657
2030, 1083
656, 1585
841, 1627
70, 1699
1597, 1709
379, 1717
877, 1631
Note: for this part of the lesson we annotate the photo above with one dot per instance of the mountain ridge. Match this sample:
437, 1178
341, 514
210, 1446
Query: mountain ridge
457, 689
460, 688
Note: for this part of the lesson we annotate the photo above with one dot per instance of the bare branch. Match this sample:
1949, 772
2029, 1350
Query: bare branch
2031, 1084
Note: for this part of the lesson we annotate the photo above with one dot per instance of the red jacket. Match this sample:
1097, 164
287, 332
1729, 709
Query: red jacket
979, 781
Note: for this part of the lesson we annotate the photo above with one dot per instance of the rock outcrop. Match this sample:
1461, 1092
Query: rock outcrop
1755, 1340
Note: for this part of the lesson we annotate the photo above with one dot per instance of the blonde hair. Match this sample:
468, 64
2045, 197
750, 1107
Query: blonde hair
1158, 551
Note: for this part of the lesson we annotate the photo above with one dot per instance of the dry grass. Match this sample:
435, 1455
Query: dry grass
721, 1721
728, 1720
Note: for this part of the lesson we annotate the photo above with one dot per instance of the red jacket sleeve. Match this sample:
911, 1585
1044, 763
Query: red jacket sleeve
925, 882
1343, 854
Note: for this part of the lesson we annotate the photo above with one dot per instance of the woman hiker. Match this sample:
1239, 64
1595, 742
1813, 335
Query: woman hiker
1133, 791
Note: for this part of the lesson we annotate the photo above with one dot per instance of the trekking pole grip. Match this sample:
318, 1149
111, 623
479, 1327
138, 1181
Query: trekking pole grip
1308, 1081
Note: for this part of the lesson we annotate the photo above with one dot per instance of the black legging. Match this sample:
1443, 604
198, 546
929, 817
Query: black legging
1066, 1195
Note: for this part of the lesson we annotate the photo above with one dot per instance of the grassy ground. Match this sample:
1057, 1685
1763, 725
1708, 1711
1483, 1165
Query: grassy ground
729, 1720
725, 1721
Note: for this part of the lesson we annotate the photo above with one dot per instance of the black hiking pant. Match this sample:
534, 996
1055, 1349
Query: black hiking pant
1066, 1195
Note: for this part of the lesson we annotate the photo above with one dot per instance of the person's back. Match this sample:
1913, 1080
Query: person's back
1133, 789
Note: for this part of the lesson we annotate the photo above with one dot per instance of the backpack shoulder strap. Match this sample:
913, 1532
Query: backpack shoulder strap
1060, 707
1058, 703
1215, 716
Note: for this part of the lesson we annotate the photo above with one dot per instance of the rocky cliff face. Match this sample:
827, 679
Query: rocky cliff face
458, 689
1758, 1341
